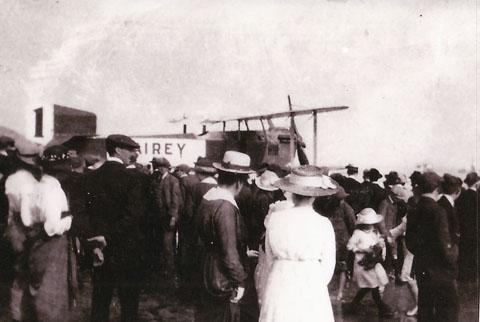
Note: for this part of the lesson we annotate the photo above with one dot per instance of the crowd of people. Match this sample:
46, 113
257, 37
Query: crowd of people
237, 243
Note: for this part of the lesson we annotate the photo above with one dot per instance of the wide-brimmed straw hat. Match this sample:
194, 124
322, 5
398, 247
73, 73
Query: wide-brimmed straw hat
266, 180
235, 162
368, 216
308, 180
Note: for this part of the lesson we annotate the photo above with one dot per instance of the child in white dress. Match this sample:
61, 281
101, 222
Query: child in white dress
368, 271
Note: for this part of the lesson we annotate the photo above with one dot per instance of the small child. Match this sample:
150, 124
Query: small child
370, 275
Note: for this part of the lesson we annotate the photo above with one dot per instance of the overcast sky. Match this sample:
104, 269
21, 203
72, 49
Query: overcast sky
407, 70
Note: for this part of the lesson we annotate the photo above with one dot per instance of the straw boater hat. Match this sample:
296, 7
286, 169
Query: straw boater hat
308, 180
234, 162
368, 216
204, 165
266, 180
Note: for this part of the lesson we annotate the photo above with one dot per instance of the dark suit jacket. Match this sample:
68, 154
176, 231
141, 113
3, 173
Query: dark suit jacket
428, 238
167, 196
389, 210
452, 219
108, 203
220, 222
187, 183
468, 210
350, 184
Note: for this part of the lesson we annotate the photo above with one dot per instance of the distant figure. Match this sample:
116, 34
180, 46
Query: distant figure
351, 183
301, 246
377, 193
167, 199
185, 227
468, 210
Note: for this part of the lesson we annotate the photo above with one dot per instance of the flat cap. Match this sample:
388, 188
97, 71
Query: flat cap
122, 141
183, 167
160, 162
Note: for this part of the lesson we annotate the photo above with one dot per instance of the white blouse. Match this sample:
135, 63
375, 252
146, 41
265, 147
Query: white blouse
38, 202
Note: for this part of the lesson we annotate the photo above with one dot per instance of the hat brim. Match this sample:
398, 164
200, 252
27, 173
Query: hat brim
369, 221
266, 188
219, 166
209, 170
286, 185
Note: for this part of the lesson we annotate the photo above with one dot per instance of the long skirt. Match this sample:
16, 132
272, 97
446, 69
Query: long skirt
41, 289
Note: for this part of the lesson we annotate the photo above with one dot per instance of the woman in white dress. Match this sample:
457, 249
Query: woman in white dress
300, 247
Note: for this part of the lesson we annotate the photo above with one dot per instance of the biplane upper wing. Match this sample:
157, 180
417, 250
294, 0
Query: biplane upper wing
280, 114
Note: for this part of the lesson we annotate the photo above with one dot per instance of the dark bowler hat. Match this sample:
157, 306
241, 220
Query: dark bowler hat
471, 179
121, 141
160, 162
392, 178
415, 177
6, 141
374, 174
351, 168
204, 165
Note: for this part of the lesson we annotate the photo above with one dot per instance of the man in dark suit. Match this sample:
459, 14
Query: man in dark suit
435, 255
350, 183
468, 210
377, 193
185, 227
167, 199
107, 214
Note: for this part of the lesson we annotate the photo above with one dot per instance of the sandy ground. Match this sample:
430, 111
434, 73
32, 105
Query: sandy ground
158, 305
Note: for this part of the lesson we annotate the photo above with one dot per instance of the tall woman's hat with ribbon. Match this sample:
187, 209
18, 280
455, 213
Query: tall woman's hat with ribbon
308, 180
235, 162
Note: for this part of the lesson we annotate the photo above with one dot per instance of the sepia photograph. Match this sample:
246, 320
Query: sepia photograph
239, 161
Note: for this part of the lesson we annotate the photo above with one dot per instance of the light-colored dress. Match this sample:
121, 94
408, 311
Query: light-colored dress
300, 244
360, 242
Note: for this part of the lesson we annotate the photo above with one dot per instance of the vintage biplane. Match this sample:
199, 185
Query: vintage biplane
269, 145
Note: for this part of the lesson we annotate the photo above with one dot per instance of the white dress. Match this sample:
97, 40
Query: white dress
301, 245
360, 242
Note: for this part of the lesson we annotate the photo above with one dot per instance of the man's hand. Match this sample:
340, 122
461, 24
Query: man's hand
98, 242
173, 223
237, 295
98, 258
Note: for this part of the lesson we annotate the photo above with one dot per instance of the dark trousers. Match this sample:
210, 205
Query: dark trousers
437, 299
186, 260
168, 248
105, 280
